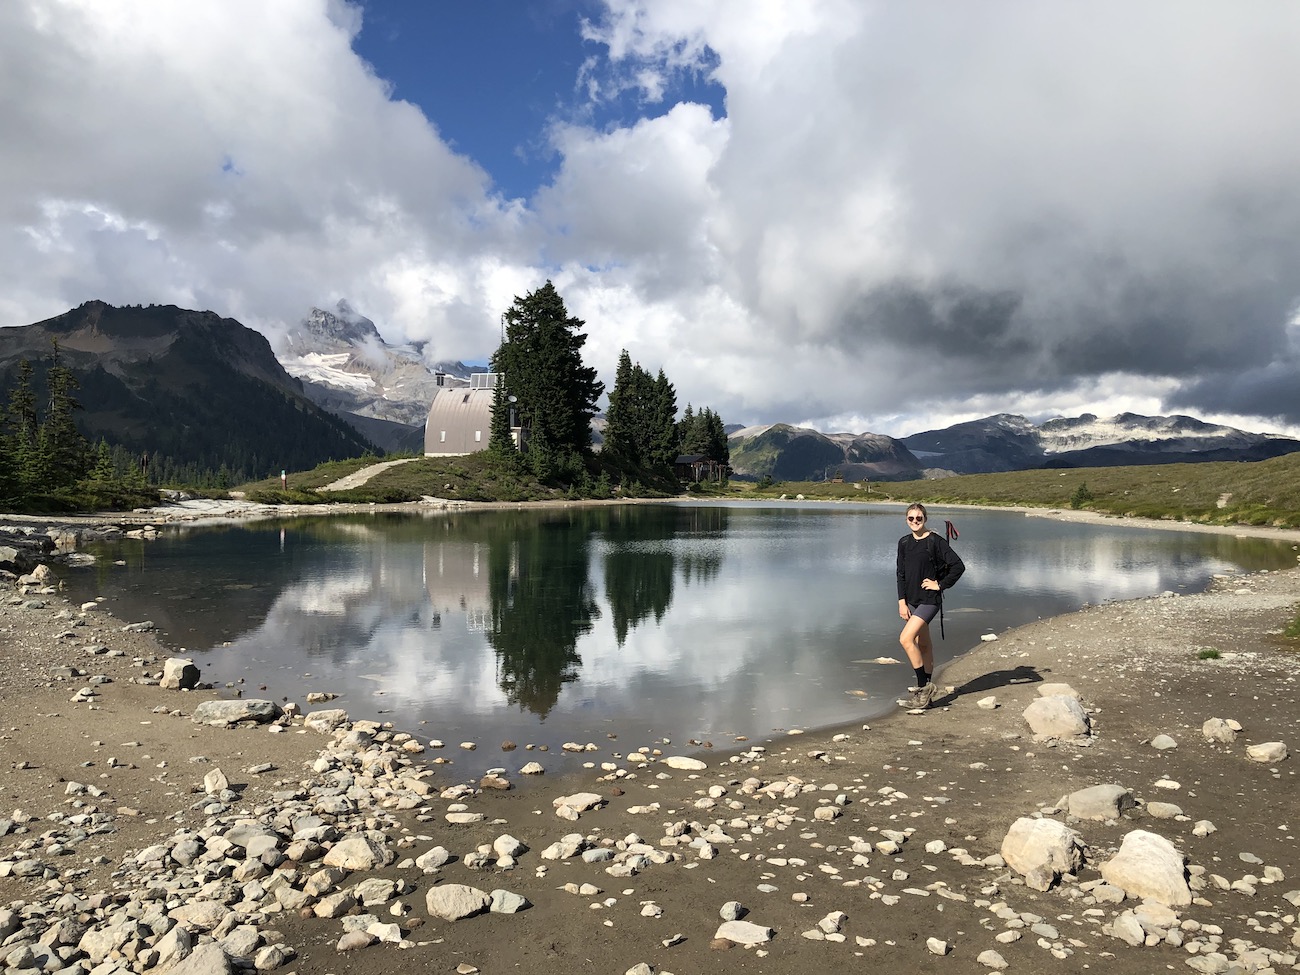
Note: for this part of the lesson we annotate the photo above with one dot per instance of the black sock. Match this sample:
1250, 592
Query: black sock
922, 678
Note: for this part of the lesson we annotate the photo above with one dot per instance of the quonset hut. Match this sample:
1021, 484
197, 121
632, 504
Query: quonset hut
460, 417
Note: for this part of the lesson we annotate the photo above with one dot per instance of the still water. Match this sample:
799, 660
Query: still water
679, 621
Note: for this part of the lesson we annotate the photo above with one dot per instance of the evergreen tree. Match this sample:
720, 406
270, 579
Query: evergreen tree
63, 448
501, 445
22, 431
619, 435
662, 424
542, 362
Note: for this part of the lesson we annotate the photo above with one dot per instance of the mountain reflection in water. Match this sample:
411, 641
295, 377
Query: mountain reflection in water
703, 621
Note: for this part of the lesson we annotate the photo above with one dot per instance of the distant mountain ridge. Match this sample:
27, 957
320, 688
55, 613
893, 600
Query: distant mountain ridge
347, 368
1004, 442
190, 386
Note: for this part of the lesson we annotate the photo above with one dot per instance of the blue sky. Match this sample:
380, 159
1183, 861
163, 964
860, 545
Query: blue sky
492, 75
858, 215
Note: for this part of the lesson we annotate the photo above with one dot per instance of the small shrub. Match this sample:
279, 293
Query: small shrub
1080, 497
1209, 653
1292, 631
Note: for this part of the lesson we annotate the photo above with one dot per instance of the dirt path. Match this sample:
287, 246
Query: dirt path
358, 478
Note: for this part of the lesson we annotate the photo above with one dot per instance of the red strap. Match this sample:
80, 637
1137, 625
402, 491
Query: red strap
951, 530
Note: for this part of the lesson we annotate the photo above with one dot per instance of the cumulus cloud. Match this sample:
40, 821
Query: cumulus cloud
237, 156
905, 211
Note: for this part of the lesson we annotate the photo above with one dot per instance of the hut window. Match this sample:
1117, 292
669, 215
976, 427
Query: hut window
443, 438
478, 436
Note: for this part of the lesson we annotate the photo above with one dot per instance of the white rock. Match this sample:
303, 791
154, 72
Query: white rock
1041, 850
506, 845
989, 703
215, 782
1148, 865
326, 721
1267, 752
1216, 729
684, 763
508, 902
360, 851
743, 933
435, 858
1163, 743
991, 959
1057, 716
452, 902
937, 946
179, 674
1100, 802
579, 801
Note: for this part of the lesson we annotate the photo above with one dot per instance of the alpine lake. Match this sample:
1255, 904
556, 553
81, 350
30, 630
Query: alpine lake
688, 623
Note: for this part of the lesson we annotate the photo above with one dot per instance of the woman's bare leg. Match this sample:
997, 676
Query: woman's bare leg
915, 640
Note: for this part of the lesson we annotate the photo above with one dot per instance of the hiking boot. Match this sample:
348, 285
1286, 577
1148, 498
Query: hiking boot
916, 698
925, 695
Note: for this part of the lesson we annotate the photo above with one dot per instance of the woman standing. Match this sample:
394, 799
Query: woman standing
927, 566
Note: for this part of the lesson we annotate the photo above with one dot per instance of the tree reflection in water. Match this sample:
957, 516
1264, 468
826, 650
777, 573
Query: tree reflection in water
542, 600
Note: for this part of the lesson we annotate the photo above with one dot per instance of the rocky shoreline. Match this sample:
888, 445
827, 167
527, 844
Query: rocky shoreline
1113, 787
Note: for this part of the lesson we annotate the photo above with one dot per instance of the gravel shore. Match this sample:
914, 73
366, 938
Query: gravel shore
135, 838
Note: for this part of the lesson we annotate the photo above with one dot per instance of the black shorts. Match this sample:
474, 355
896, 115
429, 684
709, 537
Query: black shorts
927, 611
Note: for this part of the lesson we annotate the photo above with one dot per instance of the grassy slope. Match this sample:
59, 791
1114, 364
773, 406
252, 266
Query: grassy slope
1263, 493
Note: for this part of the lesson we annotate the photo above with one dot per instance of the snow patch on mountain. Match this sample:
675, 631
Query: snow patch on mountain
1080, 433
329, 369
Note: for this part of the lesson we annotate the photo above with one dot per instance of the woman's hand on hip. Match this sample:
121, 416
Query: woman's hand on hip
930, 584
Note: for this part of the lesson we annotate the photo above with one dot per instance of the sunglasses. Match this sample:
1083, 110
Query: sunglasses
915, 519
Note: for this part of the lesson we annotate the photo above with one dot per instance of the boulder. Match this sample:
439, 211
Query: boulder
360, 851
743, 933
1057, 717
1267, 752
326, 720
1041, 850
1218, 730
179, 674
1100, 802
1148, 865
452, 902
231, 712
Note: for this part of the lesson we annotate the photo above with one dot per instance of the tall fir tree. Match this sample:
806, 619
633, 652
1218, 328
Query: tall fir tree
619, 434
64, 449
662, 423
501, 444
542, 361
23, 429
